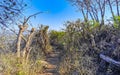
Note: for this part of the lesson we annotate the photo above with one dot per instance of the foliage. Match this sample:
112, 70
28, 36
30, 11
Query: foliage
81, 41
78, 32
41, 43
56, 37
116, 21
86, 40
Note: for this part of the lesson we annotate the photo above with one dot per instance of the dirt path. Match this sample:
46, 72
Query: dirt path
52, 64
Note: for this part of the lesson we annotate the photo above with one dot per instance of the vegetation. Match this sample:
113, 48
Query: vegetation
76, 49
56, 37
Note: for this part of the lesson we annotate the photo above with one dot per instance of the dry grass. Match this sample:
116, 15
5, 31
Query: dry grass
10, 66
75, 63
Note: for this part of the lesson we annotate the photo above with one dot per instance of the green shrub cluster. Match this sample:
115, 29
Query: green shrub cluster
56, 37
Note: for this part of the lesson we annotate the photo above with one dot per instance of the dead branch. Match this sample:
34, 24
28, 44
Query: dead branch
26, 20
22, 29
24, 38
93, 40
27, 48
110, 60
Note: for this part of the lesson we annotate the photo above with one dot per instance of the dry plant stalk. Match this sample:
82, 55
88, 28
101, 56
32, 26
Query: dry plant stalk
92, 40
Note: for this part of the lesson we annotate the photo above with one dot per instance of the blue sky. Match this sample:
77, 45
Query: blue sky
59, 12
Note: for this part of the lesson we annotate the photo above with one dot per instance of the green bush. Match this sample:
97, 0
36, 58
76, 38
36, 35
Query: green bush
116, 22
56, 37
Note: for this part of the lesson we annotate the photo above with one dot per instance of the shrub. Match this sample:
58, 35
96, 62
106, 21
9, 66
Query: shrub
56, 37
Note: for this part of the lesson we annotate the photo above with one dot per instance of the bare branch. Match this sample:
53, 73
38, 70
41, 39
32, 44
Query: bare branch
27, 48
22, 29
26, 20
110, 60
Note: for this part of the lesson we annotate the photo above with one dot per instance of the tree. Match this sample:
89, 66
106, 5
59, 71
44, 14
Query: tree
83, 6
91, 8
117, 6
114, 4
110, 3
101, 6
10, 10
